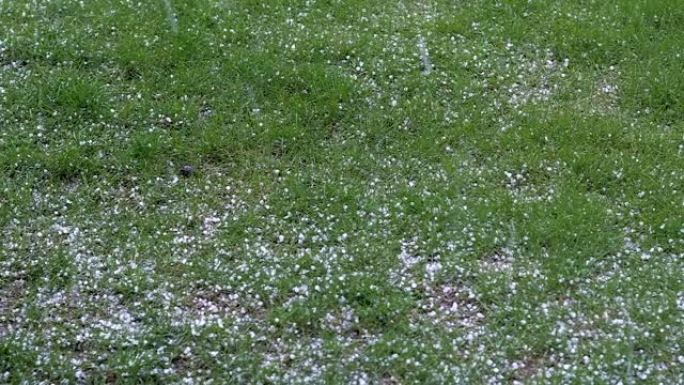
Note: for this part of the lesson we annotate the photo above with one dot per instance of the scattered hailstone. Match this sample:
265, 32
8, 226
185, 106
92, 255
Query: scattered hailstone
210, 224
302, 289
183, 240
432, 268
609, 88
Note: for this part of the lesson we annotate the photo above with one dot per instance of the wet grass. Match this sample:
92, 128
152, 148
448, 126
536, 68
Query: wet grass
513, 215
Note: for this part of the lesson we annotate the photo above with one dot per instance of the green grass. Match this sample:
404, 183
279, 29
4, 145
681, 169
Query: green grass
514, 216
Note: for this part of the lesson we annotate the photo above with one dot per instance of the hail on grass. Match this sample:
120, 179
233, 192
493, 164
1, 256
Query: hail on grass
171, 16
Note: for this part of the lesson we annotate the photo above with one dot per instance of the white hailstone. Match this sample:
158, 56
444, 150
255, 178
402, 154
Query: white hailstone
302, 289
432, 268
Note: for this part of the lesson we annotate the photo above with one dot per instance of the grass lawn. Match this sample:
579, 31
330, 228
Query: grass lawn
341, 192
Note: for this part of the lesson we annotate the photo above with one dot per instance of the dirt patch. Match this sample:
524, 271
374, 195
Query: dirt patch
452, 306
528, 368
499, 260
11, 295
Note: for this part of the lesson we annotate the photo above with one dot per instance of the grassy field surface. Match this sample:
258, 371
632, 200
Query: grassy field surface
341, 192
